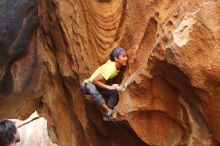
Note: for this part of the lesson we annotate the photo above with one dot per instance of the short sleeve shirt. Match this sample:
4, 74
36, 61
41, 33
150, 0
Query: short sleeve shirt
107, 70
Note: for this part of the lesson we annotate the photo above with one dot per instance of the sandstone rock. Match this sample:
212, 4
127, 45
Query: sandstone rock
171, 84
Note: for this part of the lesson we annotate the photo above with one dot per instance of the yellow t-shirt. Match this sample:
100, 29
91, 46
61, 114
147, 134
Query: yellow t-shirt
108, 70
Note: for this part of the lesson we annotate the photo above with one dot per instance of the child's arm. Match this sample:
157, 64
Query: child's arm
98, 81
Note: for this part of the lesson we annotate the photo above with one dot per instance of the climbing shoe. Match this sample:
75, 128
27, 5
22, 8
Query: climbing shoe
108, 117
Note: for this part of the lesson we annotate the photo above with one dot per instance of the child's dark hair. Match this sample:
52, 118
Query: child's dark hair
7, 131
112, 58
116, 52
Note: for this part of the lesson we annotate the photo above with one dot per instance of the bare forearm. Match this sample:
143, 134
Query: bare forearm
101, 84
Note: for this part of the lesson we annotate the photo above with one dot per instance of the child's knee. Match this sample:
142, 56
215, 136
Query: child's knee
99, 101
83, 88
115, 93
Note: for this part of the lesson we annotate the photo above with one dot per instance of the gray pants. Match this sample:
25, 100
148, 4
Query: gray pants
97, 93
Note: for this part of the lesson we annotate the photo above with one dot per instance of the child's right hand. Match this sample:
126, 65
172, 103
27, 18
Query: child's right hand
115, 87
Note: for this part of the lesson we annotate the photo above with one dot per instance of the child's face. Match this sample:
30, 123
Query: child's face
16, 139
122, 59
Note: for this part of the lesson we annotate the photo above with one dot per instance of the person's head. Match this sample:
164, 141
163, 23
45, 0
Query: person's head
119, 55
9, 135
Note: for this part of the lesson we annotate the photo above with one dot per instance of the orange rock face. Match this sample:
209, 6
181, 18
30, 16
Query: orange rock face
172, 79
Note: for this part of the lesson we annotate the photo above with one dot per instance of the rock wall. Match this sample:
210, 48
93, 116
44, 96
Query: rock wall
33, 131
172, 79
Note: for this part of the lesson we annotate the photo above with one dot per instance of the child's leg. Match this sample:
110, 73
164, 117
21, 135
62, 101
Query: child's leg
113, 99
83, 88
97, 97
104, 108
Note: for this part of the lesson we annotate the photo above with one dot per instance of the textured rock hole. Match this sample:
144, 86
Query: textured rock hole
165, 39
156, 15
175, 15
182, 30
169, 52
169, 23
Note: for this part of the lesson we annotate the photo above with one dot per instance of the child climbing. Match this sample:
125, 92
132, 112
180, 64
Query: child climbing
98, 86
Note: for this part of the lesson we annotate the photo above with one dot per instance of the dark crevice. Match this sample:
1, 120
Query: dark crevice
180, 82
69, 98
36, 118
177, 79
17, 25
119, 133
